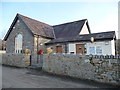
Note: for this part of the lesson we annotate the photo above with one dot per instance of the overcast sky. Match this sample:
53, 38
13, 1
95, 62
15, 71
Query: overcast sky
102, 16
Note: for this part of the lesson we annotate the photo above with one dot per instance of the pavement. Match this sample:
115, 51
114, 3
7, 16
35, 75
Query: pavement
13, 77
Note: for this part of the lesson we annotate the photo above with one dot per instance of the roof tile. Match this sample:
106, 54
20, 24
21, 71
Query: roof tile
38, 28
71, 29
86, 37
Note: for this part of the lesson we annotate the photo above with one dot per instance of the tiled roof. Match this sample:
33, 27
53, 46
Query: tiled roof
37, 27
86, 37
66, 30
71, 29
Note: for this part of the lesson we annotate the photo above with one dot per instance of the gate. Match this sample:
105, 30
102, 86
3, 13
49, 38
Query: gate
36, 60
40, 60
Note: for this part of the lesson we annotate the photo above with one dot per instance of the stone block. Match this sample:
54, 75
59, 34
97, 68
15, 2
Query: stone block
18, 60
79, 66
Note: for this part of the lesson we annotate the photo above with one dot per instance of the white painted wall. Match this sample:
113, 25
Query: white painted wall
84, 30
113, 46
107, 49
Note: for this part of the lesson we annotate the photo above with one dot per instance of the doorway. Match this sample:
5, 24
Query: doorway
58, 49
80, 49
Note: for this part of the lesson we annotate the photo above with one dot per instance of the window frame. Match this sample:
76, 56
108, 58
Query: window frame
98, 52
16, 41
91, 50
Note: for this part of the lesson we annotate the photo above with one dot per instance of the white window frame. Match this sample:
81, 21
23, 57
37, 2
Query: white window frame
91, 49
18, 43
95, 50
99, 52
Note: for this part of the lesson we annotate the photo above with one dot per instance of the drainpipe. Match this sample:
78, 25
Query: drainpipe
37, 48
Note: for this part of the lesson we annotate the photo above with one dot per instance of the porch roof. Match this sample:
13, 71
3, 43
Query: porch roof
102, 36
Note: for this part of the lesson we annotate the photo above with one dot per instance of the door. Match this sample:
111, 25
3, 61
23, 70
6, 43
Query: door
79, 48
58, 49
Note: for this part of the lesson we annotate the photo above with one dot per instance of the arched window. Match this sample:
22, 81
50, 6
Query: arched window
18, 43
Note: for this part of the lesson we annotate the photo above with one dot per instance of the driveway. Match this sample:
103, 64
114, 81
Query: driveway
26, 78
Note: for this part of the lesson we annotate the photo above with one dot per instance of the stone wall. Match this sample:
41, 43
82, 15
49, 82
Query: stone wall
18, 60
20, 28
85, 67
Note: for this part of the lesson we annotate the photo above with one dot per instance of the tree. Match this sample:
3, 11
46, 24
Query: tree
118, 46
2, 45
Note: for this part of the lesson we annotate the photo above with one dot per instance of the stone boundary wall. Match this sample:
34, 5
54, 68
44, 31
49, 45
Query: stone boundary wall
18, 60
106, 70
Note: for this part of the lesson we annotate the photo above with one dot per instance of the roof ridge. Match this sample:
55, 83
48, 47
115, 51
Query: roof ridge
33, 19
98, 33
70, 22
103, 32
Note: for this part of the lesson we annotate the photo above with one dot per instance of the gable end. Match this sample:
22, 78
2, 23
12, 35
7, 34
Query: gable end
12, 25
85, 29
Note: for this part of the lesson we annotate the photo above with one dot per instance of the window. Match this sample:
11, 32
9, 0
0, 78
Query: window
92, 50
98, 50
18, 43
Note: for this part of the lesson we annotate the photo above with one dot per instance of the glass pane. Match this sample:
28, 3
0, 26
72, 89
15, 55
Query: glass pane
18, 43
98, 50
92, 50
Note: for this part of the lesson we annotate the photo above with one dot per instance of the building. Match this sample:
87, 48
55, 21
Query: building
73, 37
26, 33
103, 44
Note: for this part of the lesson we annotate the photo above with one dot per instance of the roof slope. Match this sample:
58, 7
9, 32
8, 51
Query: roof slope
86, 37
71, 29
38, 28
66, 30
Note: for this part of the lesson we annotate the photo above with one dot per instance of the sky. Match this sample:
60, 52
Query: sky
102, 16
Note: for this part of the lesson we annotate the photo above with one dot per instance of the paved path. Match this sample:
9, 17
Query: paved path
26, 78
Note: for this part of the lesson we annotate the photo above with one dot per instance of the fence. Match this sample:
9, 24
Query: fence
105, 56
